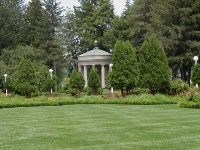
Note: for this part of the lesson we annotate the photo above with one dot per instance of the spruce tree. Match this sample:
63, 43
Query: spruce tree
154, 71
35, 26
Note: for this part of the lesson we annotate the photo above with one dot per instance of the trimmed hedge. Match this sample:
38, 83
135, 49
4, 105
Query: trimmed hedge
144, 99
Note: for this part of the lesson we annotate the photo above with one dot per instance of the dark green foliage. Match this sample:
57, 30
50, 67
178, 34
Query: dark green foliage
139, 91
196, 74
137, 17
48, 84
189, 104
153, 66
177, 24
10, 22
94, 81
178, 86
11, 58
94, 18
35, 25
9, 84
124, 74
76, 82
70, 40
26, 80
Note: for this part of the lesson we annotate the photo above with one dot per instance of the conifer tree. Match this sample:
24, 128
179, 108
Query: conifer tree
94, 81
26, 80
154, 71
124, 74
35, 26
177, 24
196, 74
77, 81
93, 20
10, 22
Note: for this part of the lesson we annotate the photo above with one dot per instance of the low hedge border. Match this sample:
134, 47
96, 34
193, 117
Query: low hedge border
145, 99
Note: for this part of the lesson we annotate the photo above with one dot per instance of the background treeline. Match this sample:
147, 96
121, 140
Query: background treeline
51, 37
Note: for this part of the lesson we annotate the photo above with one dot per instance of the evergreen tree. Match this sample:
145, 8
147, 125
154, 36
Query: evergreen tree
35, 26
137, 17
10, 22
177, 24
125, 69
53, 46
69, 39
153, 66
94, 81
93, 19
196, 74
77, 81
26, 80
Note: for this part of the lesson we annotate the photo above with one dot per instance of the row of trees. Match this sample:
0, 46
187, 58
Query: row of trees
149, 70
31, 32
77, 82
176, 23
39, 31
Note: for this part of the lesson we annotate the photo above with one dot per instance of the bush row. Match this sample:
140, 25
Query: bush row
190, 105
144, 99
188, 100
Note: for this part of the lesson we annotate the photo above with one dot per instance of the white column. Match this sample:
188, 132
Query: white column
79, 68
102, 76
85, 75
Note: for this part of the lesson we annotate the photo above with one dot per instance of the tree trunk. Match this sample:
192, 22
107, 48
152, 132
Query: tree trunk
183, 73
189, 74
56, 83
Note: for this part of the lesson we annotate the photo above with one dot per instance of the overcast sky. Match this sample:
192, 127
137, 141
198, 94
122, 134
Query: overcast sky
118, 4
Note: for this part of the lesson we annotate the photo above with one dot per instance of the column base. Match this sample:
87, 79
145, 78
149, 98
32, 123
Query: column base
112, 95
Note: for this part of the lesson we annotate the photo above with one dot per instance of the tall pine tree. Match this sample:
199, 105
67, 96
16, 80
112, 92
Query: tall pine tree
93, 20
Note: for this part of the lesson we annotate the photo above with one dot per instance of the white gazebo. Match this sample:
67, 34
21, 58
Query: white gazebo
95, 58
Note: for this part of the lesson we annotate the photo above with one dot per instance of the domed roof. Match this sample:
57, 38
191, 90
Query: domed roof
96, 52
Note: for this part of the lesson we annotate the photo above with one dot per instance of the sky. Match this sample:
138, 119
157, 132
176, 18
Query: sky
118, 4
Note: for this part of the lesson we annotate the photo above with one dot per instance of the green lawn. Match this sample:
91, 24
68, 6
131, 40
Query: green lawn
100, 127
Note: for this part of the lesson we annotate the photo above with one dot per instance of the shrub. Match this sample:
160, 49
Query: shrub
196, 74
48, 84
139, 91
76, 82
94, 81
26, 79
178, 86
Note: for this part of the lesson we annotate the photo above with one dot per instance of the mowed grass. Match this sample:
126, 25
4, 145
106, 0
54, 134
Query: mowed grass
100, 127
